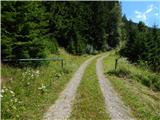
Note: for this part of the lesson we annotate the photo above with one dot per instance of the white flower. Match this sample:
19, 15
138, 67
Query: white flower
11, 92
15, 100
37, 72
32, 75
1, 95
2, 90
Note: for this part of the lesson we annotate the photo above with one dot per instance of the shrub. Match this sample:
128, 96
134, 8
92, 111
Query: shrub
120, 72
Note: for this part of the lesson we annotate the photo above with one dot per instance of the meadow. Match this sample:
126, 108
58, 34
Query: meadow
28, 92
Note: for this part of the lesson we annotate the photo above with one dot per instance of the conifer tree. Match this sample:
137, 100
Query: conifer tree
114, 25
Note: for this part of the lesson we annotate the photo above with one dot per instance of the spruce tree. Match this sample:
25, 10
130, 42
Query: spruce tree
8, 28
28, 34
114, 28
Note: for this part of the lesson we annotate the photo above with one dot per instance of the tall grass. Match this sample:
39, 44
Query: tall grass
27, 93
128, 80
141, 74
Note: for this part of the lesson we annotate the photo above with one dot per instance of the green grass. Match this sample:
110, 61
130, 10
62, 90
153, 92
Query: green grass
27, 93
89, 102
127, 80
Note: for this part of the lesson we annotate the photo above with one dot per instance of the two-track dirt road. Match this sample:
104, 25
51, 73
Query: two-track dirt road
62, 108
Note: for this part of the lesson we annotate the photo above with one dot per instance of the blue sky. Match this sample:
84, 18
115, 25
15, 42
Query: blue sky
146, 11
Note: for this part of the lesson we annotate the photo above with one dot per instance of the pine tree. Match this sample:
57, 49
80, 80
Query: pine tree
28, 38
154, 49
129, 49
8, 28
114, 28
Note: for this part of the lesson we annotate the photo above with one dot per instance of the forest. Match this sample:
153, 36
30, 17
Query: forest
34, 29
80, 33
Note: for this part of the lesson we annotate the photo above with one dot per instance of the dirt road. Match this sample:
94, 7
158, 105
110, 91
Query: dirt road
114, 105
63, 106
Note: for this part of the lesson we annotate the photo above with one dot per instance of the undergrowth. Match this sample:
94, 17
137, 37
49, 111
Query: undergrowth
28, 92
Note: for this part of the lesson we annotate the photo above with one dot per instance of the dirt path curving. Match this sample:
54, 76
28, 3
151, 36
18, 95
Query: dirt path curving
113, 103
62, 108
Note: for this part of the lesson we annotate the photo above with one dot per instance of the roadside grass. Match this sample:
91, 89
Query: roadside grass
27, 93
141, 74
128, 81
89, 102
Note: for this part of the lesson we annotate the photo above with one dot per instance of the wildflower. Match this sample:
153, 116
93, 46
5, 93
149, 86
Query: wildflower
2, 91
12, 92
37, 72
32, 76
1, 95
15, 100
28, 83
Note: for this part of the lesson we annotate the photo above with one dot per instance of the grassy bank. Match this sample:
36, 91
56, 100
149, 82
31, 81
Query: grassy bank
27, 93
137, 90
89, 102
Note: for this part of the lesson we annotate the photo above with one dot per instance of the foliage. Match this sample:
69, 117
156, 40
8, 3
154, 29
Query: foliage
35, 29
142, 43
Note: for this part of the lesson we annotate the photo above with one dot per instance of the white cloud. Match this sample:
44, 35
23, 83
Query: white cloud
137, 12
150, 9
140, 15
156, 14
143, 15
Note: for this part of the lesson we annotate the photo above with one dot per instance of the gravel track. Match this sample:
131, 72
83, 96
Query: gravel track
115, 107
62, 108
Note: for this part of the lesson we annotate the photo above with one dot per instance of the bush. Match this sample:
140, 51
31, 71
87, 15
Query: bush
152, 81
120, 72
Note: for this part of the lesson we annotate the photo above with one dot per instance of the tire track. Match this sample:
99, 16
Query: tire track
63, 106
116, 108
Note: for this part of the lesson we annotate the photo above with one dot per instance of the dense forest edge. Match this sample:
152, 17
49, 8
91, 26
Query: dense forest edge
75, 31
36, 29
